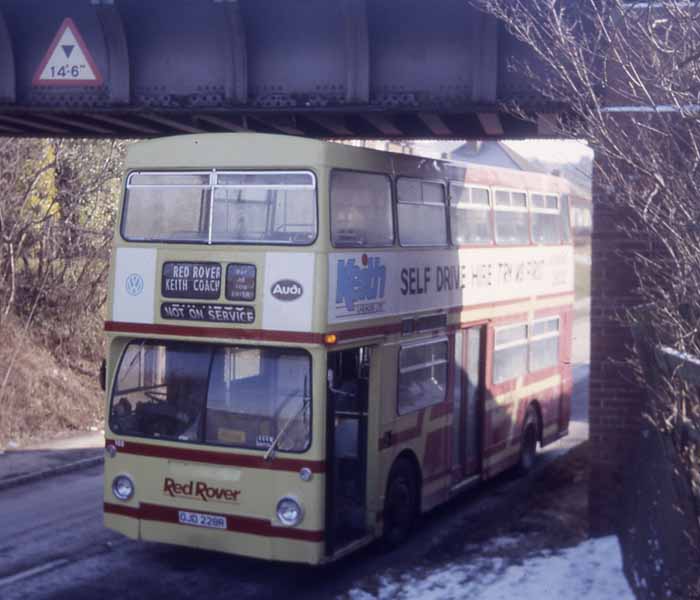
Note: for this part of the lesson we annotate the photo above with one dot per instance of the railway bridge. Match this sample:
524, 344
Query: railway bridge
342, 69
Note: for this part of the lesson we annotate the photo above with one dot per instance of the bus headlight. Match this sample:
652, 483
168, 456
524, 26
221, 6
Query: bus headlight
123, 487
289, 511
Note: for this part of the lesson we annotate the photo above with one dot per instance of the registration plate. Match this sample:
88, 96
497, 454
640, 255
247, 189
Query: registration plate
201, 520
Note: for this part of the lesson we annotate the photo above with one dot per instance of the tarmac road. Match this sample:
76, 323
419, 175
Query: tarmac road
53, 544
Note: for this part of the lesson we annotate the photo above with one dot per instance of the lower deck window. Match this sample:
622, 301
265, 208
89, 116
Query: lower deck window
222, 395
422, 375
517, 353
544, 345
510, 353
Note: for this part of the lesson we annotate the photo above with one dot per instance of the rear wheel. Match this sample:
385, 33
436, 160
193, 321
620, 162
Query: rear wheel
528, 444
400, 504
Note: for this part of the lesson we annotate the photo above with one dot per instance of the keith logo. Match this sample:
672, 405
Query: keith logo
286, 290
360, 287
134, 284
199, 490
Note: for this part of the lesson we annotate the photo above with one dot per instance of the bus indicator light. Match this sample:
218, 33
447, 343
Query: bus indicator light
330, 338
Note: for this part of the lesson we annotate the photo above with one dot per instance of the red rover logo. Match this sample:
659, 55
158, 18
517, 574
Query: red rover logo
199, 490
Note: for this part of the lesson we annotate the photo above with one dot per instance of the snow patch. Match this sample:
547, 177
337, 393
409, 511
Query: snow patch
590, 571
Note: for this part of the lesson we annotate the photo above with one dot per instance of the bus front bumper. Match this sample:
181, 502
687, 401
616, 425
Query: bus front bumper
243, 536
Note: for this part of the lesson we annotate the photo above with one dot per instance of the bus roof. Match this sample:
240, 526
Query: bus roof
265, 151
260, 150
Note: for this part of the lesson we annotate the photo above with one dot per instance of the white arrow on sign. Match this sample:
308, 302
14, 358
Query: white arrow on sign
68, 61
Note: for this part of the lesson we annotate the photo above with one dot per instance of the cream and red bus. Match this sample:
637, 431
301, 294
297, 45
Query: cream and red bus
310, 344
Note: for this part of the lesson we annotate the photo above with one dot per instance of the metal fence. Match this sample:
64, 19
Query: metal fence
685, 367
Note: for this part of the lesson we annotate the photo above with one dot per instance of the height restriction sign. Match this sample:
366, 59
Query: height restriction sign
68, 61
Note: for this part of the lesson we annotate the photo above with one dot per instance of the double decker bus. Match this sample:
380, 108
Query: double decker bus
310, 344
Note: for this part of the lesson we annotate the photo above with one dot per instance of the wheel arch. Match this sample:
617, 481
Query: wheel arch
410, 457
537, 407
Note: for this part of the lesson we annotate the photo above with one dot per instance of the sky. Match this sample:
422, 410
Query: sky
557, 151
552, 150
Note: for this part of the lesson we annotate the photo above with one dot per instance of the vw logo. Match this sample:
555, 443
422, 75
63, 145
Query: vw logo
134, 284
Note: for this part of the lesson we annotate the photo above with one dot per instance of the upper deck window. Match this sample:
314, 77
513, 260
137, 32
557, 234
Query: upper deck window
545, 218
361, 210
422, 218
511, 218
221, 207
565, 216
470, 215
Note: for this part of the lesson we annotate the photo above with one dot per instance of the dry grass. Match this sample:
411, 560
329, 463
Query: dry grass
42, 398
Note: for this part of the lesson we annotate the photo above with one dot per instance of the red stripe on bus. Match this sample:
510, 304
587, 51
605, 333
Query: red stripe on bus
362, 332
440, 410
511, 385
495, 449
555, 295
465, 308
234, 523
123, 511
293, 336
410, 434
404, 436
215, 332
219, 458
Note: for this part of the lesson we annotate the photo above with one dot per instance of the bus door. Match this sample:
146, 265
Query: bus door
468, 399
346, 463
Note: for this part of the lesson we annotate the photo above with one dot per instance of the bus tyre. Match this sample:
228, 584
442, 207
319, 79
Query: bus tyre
400, 504
528, 444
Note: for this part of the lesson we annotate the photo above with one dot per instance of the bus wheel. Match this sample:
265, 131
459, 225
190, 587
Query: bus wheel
400, 504
528, 445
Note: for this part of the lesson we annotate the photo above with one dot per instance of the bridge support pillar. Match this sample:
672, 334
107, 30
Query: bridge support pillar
615, 401
7, 65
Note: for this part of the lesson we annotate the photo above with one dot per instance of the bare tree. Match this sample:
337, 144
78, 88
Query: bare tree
57, 204
628, 74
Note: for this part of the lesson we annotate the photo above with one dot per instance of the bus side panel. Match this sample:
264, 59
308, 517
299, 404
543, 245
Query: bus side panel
555, 401
500, 416
423, 434
567, 383
376, 478
548, 390
382, 447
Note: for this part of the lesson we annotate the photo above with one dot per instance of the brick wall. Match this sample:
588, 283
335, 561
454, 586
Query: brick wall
614, 400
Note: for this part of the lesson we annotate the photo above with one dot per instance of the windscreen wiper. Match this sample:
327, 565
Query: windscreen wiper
269, 453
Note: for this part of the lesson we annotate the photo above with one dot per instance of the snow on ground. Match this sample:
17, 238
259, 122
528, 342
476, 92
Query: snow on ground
590, 571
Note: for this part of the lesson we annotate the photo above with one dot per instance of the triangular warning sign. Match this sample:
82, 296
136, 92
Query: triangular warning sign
68, 61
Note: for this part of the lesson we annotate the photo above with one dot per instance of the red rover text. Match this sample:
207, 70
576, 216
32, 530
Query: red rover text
199, 489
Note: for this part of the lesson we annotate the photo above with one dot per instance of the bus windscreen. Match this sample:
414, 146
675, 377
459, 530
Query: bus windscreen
219, 395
